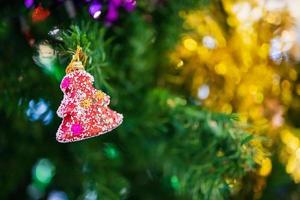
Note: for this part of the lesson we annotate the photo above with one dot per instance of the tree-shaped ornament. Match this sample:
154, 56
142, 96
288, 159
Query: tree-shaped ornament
84, 109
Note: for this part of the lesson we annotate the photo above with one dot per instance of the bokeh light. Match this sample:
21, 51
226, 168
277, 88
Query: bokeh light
91, 195
95, 9
39, 110
111, 151
203, 91
175, 182
43, 171
28, 3
57, 195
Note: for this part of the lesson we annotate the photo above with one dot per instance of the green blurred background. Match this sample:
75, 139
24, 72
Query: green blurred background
171, 145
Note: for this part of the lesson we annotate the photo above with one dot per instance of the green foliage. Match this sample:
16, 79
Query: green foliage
203, 150
88, 40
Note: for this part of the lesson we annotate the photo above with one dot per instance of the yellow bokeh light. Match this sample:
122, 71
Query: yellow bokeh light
266, 167
293, 74
286, 85
243, 74
221, 68
259, 97
190, 44
179, 64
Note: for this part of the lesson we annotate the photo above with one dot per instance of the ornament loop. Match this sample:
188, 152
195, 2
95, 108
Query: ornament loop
78, 61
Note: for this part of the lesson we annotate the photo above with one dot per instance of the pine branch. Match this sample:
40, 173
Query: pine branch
210, 149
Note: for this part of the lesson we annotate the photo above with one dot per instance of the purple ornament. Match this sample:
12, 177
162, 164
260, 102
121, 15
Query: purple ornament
95, 9
116, 3
129, 5
112, 13
28, 3
76, 129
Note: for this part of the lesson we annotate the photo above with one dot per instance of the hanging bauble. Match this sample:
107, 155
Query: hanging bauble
84, 109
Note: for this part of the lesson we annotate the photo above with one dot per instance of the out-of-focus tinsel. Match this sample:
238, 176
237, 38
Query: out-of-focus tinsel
239, 56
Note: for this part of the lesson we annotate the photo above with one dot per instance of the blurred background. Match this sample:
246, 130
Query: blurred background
209, 90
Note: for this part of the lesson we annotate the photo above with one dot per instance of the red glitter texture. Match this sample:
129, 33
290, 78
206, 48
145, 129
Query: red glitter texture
84, 109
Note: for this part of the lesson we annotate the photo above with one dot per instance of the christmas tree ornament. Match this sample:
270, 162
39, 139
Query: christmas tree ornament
95, 9
28, 3
46, 59
112, 13
84, 109
39, 14
116, 3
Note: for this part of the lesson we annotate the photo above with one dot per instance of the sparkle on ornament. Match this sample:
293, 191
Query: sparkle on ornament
209, 42
203, 91
95, 9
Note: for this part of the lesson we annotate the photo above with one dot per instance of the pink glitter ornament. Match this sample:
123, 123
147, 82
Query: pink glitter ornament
84, 109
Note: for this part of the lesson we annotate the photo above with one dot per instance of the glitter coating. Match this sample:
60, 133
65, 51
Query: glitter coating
84, 109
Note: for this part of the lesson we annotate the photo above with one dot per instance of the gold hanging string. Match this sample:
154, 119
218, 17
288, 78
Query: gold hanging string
78, 61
